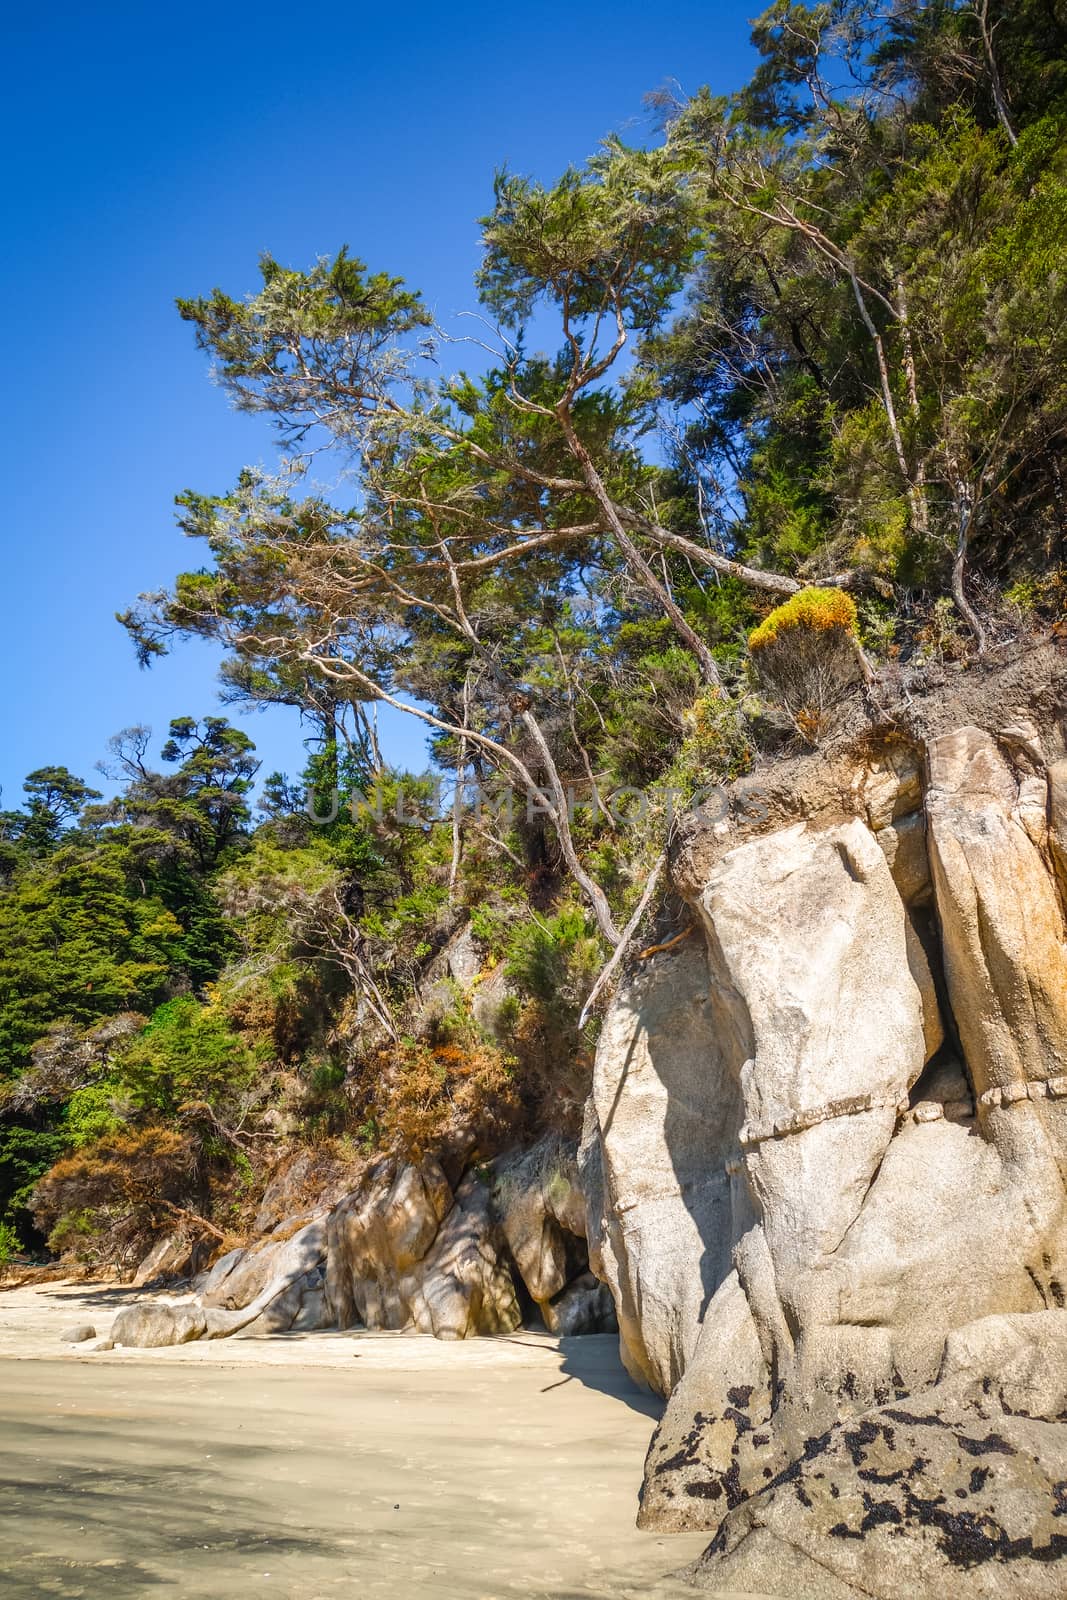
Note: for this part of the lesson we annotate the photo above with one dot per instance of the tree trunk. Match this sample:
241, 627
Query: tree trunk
965, 509
633, 557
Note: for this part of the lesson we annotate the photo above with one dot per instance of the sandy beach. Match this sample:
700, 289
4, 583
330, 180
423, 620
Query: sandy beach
305, 1466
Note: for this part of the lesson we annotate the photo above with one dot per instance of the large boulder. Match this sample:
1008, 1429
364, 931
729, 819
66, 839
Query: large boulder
263, 1290
264, 1271
663, 1121
821, 994
542, 1212
404, 1252
960, 1490
377, 1234
745, 1090
150, 1324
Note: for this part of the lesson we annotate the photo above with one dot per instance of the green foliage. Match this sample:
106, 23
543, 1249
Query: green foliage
623, 221
493, 919
203, 804
9, 1243
555, 959
25, 1154
55, 799
90, 1113
188, 1052
297, 314
79, 939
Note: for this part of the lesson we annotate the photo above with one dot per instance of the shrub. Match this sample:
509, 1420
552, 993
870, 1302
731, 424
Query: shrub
115, 1194
9, 1243
91, 1113
187, 1052
555, 960
435, 1096
807, 652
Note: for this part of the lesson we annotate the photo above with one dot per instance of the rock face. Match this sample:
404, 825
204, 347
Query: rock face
542, 1211
406, 1253
169, 1258
825, 1160
272, 1287
660, 1133
254, 1291
961, 1491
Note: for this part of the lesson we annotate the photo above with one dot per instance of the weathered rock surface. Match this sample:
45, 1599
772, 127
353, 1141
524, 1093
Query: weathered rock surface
782, 1318
542, 1213
825, 1156
80, 1333
903, 843
169, 1258
664, 1121
264, 1272
905, 1503
404, 1252
254, 1291
1001, 918
960, 1490
584, 1306
149, 1325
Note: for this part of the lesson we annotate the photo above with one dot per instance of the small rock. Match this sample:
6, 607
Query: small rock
78, 1334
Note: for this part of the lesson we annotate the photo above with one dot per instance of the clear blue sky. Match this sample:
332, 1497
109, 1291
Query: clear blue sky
153, 151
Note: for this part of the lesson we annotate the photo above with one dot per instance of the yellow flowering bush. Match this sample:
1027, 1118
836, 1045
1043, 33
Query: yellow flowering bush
807, 652
819, 610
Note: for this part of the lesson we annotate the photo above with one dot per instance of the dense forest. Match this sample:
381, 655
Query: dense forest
761, 416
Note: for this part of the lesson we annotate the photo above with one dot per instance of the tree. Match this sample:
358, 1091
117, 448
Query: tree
203, 805
492, 507
875, 345
55, 800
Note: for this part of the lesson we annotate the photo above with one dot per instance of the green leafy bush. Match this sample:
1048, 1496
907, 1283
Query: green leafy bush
187, 1052
91, 1112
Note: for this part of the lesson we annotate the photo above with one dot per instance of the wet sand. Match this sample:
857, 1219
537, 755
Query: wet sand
373, 1465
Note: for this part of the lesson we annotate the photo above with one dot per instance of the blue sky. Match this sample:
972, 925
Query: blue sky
154, 151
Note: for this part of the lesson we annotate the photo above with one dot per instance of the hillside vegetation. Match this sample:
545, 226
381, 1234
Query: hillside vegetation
763, 416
